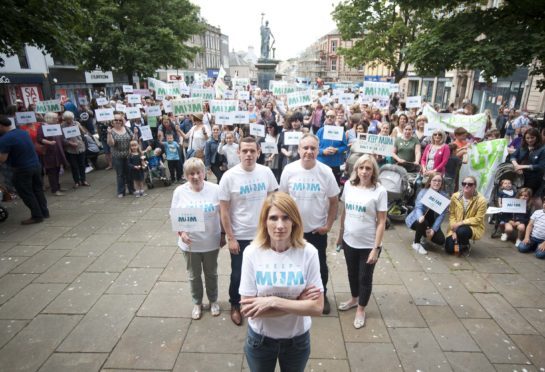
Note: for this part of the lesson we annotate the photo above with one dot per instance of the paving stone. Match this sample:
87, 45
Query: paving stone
492, 265
326, 339
459, 299
517, 290
134, 281
385, 273
149, 343
397, 307
418, 350
326, 365
215, 335
504, 314
30, 301
168, 299
8, 263
82, 294
68, 362
195, 362
497, 346
375, 329
534, 348
530, 270
433, 261
153, 256
402, 257
156, 214
116, 258
46, 236
23, 250
175, 270
21, 234
465, 362
65, 243
372, 357
421, 288
101, 328
5, 246
11, 284
94, 245
65, 270
40, 262
447, 329
33, 345
474, 282
536, 317
142, 231
9, 328
515, 368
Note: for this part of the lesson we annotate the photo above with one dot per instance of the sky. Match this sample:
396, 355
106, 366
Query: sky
295, 24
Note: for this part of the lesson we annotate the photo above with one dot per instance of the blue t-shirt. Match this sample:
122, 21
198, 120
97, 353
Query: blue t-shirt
20, 149
171, 150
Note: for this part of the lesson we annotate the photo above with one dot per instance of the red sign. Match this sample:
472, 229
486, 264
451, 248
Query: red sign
30, 95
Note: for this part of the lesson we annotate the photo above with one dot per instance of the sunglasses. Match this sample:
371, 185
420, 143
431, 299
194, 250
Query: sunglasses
330, 116
437, 135
468, 184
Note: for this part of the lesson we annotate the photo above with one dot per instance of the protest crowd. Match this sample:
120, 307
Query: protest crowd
269, 167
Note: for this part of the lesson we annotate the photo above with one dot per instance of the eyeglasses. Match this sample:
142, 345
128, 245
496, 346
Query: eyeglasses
468, 184
437, 134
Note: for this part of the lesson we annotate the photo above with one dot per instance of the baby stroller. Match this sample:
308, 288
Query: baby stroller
395, 180
504, 171
154, 174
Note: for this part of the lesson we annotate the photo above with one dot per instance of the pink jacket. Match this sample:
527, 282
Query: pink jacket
440, 159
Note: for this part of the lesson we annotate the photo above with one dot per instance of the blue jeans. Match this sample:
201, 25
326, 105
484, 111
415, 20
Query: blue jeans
236, 267
262, 352
532, 246
121, 166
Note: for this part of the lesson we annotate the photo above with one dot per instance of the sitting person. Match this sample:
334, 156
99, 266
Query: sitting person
510, 222
535, 234
505, 190
467, 210
155, 163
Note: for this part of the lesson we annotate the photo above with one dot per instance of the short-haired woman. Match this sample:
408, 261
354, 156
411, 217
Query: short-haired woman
53, 153
281, 288
75, 150
119, 139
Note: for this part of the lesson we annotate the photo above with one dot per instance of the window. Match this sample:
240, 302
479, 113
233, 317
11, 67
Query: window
334, 64
333, 45
23, 58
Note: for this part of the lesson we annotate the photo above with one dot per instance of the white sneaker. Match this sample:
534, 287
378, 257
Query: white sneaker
215, 309
89, 169
419, 248
517, 243
503, 237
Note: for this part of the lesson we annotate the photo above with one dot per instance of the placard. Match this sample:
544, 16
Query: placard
27, 117
513, 205
333, 132
257, 130
229, 94
120, 107
374, 144
51, 130
167, 106
145, 132
394, 88
292, 138
128, 89
72, 131
243, 95
134, 99
223, 106
101, 101
346, 99
187, 106
53, 105
153, 110
187, 219
324, 100
204, 94
83, 100
132, 113
435, 201
106, 114
224, 118
241, 117
299, 99
429, 128
279, 88
240, 82
413, 102
269, 148
280, 105
375, 89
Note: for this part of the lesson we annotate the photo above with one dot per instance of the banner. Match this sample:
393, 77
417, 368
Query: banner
375, 144
204, 94
299, 99
229, 94
53, 105
187, 106
187, 219
483, 159
224, 118
269, 148
513, 205
120, 107
435, 201
217, 106
240, 82
474, 124
163, 89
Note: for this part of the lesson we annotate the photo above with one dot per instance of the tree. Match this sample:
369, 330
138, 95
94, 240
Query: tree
138, 37
48, 24
384, 31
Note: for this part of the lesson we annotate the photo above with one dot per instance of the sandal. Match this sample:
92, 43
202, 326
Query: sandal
197, 312
344, 306
359, 321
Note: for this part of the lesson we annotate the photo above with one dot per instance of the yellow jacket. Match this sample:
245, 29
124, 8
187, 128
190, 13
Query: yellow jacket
474, 216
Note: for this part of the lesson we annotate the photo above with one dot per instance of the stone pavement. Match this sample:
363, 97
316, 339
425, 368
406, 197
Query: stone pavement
101, 286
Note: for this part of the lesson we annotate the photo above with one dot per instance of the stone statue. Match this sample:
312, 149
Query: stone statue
266, 36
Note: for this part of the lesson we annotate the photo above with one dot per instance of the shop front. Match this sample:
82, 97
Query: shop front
25, 87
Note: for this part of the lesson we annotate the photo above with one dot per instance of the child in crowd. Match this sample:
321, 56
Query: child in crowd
229, 149
534, 239
172, 151
156, 164
137, 164
452, 169
510, 222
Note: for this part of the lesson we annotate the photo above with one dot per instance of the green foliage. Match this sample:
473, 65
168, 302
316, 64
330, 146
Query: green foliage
139, 37
48, 24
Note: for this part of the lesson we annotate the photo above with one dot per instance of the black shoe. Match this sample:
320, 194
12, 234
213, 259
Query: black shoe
327, 306
31, 221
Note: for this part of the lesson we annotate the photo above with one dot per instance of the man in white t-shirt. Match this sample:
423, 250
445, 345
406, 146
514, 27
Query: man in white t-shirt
243, 189
315, 190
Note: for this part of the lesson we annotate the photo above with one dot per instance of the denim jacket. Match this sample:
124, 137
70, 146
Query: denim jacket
420, 210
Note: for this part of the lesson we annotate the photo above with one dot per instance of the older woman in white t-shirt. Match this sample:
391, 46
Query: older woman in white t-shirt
363, 221
200, 249
281, 288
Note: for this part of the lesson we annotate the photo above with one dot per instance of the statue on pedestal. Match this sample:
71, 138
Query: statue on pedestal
266, 36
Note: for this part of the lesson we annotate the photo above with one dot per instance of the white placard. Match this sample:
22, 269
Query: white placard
184, 89
101, 101
257, 130
243, 95
280, 105
120, 107
376, 89
374, 144
333, 132
324, 100
513, 205
429, 128
269, 148
145, 132
413, 102
132, 113
224, 118
104, 114
134, 99
51, 130
72, 131
292, 138
154, 110
229, 94
26, 117
435, 201
298, 99
83, 100
53, 105
394, 88
223, 106
167, 106
241, 117
187, 219
159, 97
128, 89
346, 99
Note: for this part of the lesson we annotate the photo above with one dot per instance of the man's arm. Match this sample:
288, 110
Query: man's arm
225, 217
331, 215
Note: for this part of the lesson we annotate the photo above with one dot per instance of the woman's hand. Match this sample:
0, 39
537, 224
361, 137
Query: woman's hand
373, 256
234, 248
421, 219
310, 293
430, 233
185, 237
256, 306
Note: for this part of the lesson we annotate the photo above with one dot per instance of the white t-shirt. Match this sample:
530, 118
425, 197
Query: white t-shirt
311, 190
361, 207
231, 153
246, 192
197, 140
208, 200
266, 272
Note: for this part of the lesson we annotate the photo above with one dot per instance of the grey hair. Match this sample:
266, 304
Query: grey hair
68, 115
310, 135
51, 118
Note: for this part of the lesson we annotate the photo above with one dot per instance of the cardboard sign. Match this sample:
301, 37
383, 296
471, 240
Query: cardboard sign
279, 88
394, 88
104, 114
53, 105
269, 148
241, 117
128, 89
101, 101
120, 107
187, 219
51, 130
27, 117
435, 201
333, 132
243, 95
429, 128
134, 99
187, 106
374, 144
204, 94
257, 130
413, 102
145, 132
224, 118
184, 89
324, 100
375, 89
223, 106
240, 82
292, 138
154, 110
132, 113
167, 106
299, 99
346, 99
382, 103
513, 205
280, 105
229, 94
72, 131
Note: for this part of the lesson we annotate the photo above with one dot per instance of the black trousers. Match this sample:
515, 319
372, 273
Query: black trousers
463, 235
320, 243
360, 273
215, 168
420, 228
77, 166
29, 186
174, 170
